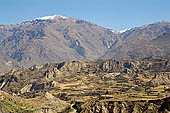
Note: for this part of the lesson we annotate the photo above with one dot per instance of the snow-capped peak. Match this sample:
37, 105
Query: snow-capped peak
46, 18
50, 17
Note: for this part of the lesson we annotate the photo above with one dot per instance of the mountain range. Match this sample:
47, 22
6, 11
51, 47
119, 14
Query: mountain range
58, 38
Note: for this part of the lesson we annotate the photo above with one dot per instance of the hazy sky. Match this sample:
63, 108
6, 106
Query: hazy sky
115, 14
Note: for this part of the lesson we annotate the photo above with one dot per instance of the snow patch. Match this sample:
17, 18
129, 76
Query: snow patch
121, 31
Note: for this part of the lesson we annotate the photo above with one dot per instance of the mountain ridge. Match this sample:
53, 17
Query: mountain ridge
138, 42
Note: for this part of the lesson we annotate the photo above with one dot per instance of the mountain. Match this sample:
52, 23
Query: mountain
140, 42
108, 86
54, 39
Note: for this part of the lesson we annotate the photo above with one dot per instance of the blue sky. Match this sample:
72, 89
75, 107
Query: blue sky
114, 14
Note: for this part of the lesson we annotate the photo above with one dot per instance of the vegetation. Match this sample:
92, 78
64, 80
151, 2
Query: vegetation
13, 107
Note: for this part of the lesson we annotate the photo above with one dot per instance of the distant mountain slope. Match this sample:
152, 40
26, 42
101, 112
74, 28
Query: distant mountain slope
6, 64
54, 39
140, 42
146, 32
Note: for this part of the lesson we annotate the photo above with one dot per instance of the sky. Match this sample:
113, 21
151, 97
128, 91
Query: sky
113, 14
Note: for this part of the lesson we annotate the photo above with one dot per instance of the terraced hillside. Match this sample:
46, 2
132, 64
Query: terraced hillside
105, 86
